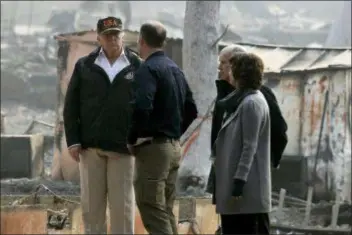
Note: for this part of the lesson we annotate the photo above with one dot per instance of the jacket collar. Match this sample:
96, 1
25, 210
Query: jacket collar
130, 55
155, 53
232, 102
223, 88
101, 52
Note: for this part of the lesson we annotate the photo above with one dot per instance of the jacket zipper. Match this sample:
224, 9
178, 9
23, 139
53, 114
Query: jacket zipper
106, 77
110, 84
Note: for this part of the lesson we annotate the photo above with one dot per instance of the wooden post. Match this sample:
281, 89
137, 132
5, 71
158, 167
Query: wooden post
187, 215
187, 209
184, 228
335, 211
281, 200
308, 206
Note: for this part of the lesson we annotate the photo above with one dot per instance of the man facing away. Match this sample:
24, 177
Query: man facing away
163, 110
96, 117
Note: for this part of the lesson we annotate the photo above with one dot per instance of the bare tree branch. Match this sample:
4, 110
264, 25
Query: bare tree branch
221, 36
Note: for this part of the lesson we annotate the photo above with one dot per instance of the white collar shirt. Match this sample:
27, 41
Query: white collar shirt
112, 69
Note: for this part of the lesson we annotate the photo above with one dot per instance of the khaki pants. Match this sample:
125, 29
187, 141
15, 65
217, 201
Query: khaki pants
156, 172
107, 176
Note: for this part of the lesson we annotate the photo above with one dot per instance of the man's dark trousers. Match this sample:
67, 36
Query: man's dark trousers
156, 170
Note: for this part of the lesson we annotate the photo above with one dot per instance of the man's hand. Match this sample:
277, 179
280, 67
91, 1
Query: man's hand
74, 152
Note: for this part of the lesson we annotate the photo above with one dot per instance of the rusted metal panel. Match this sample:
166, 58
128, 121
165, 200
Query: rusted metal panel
287, 91
326, 136
319, 128
314, 129
314, 95
339, 131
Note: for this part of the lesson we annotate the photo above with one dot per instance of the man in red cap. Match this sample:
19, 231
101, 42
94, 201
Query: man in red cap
96, 117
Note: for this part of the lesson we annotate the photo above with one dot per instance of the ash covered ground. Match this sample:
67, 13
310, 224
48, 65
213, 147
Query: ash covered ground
289, 216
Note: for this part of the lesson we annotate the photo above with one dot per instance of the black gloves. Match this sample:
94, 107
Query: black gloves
238, 185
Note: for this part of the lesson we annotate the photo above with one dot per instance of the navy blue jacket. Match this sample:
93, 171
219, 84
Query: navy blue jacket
163, 104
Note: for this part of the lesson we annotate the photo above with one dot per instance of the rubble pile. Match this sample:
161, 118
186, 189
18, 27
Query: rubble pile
20, 119
289, 216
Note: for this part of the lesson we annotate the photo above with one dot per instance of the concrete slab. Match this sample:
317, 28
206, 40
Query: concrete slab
22, 156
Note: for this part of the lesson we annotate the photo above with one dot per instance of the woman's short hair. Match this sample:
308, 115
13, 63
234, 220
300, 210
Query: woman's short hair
247, 70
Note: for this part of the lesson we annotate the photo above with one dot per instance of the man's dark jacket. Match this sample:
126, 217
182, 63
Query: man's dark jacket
97, 112
278, 125
163, 106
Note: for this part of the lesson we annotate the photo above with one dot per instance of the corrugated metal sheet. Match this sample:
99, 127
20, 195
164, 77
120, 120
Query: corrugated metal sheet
288, 59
